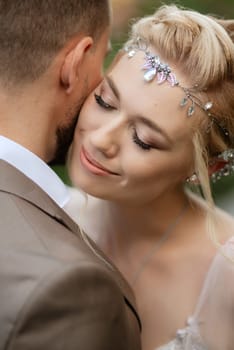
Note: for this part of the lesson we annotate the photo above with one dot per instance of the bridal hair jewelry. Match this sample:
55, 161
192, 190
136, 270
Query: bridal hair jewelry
227, 157
148, 257
156, 69
193, 179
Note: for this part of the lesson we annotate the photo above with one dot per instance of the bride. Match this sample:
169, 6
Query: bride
161, 120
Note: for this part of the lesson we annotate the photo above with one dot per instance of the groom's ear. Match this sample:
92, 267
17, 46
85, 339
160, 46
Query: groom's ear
73, 63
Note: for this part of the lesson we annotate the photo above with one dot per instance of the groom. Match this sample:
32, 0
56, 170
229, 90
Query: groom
56, 290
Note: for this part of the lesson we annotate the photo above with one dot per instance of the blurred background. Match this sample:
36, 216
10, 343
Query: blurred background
126, 10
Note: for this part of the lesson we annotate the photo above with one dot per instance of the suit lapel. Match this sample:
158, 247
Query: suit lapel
15, 182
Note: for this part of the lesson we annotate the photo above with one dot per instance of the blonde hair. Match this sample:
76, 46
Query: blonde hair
202, 48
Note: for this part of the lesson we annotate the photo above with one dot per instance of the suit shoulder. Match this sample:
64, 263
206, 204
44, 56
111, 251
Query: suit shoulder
77, 298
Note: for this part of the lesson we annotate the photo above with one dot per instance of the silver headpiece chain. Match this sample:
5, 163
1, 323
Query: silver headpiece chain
155, 69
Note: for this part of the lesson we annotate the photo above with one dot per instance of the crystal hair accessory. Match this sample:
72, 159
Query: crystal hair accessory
193, 179
227, 160
156, 69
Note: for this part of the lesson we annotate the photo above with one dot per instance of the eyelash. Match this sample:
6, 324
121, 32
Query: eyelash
135, 137
140, 143
102, 103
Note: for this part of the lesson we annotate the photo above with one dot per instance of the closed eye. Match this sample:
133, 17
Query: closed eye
102, 103
140, 143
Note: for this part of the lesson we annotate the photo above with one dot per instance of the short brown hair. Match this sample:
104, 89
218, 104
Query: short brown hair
33, 31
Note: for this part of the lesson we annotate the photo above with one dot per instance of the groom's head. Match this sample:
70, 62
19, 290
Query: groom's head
59, 46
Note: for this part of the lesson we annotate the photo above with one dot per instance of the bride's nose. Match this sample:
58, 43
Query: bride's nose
107, 138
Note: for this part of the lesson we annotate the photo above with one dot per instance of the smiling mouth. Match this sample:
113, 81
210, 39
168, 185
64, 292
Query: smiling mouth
93, 165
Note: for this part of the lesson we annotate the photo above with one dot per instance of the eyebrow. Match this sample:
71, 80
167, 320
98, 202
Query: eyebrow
141, 118
154, 126
113, 87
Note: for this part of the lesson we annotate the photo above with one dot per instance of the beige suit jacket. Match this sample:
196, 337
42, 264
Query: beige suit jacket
55, 293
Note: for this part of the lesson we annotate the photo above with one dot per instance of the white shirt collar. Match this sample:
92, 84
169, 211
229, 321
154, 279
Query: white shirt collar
35, 168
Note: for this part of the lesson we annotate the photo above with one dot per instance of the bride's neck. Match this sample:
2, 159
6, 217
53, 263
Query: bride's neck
151, 219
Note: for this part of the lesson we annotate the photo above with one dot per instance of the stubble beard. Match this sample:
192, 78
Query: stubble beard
64, 135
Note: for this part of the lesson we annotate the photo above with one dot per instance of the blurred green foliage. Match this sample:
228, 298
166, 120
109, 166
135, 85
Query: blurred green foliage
223, 8
62, 173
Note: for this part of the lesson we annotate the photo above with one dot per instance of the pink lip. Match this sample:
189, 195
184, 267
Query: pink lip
92, 165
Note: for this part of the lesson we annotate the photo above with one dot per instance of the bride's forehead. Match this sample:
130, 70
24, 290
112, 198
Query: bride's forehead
128, 75
155, 101
125, 65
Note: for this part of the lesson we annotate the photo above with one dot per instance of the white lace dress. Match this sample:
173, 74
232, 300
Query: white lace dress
212, 325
